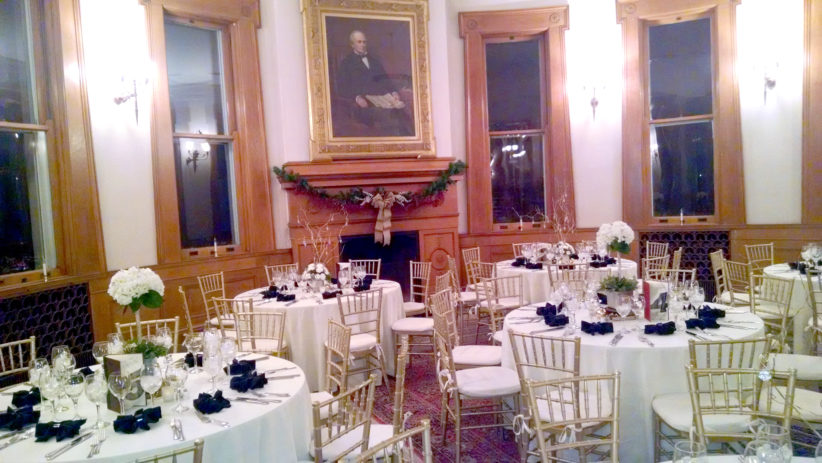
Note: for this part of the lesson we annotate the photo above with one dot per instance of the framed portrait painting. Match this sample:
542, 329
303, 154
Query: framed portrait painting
368, 81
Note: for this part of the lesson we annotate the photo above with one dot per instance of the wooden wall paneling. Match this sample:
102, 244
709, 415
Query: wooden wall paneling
787, 240
223, 10
812, 114
436, 246
497, 246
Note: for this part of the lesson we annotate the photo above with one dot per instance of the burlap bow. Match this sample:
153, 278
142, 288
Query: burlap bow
382, 230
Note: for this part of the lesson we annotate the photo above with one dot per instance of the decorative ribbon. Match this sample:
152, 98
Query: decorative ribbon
520, 425
383, 202
446, 387
569, 434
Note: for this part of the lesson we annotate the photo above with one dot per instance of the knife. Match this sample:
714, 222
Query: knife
255, 401
272, 378
547, 330
77, 441
19, 431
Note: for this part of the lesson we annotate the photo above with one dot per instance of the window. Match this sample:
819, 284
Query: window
681, 140
517, 140
26, 222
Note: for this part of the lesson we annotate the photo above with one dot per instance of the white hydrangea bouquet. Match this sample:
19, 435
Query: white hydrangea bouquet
136, 288
564, 249
616, 236
316, 271
812, 255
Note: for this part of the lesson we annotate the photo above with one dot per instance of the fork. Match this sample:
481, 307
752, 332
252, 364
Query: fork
100, 439
642, 337
207, 419
177, 427
617, 338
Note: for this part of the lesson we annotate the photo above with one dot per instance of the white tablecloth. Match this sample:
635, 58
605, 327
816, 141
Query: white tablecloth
307, 327
536, 285
645, 371
735, 459
800, 305
259, 433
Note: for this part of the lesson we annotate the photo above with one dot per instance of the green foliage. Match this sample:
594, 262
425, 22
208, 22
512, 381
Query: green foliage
152, 299
620, 246
147, 348
618, 284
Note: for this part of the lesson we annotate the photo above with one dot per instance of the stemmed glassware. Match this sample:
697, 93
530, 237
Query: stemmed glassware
228, 350
343, 277
213, 365
115, 343
359, 273
39, 367
51, 389
120, 385
193, 343
763, 451
163, 337
96, 391
778, 436
689, 452
74, 387
99, 350
176, 375
818, 453
151, 379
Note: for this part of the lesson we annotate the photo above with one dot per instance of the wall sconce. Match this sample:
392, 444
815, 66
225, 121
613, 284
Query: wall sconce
194, 155
594, 101
769, 78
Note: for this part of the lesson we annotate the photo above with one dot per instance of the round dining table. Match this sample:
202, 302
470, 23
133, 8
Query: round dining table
536, 285
275, 432
645, 370
735, 459
800, 306
306, 326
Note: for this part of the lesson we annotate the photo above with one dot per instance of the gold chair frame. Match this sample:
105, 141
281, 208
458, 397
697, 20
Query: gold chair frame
759, 256
195, 449
400, 447
337, 357
738, 281
815, 299
372, 266
257, 327
419, 277
186, 310
271, 270
352, 409
654, 249
211, 286
655, 268
149, 328
776, 294
13, 356
362, 312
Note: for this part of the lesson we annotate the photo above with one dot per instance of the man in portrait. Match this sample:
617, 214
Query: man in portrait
369, 95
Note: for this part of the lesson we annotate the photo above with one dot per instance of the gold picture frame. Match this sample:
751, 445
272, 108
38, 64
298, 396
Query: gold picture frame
376, 106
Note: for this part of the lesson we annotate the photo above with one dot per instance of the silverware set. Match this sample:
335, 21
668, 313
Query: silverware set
99, 438
617, 337
177, 429
208, 419
547, 330
16, 437
74, 443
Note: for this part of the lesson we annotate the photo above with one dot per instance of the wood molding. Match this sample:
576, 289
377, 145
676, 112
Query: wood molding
222, 10
475, 29
812, 114
636, 170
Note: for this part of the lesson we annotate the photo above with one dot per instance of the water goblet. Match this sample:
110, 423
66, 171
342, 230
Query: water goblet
120, 385
359, 273
99, 350
623, 305
193, 343
74, 387
38, 367
115, 343
763, 451
638, 306
697, 296
818, 453
150, 379
689, 452
228, 350
213, 365
51, 390
176, 375
776, 434
163, 337
96, 392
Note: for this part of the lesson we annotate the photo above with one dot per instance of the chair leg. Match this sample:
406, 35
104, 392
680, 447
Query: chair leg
457, 427
381, 359
444, 417
657, 428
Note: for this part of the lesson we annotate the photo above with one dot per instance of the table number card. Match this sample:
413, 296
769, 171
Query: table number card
130, 365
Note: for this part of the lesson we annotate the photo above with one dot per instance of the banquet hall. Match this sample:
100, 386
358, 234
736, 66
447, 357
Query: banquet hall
410, 230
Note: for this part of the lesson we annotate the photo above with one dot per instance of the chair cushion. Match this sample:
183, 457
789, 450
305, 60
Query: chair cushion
487, 382
228, 321
264, 345
725, 298
808, 367
499, 336
675, 410
504, 303
468, 297
413, 325
363, 341
818, 323
413, 308
477, 355
322, 396
377, 434
807, 404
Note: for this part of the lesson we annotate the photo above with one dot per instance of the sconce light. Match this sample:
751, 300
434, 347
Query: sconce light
769, 78
194, 155
594, 101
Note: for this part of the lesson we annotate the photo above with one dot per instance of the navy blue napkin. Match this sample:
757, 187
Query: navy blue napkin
533, 265
603, 299
660, 328
597, 328
701, 323
250, 380
330, 294
128, 424
270, 293
58, 429
85, 371
190, 360
518, 262
709, 312
550, 313
207, 404
567, 267
241, 367
14, 420
574, 256
286, 297
23, 398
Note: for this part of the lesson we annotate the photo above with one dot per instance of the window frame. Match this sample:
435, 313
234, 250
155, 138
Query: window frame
477, 29
636, 16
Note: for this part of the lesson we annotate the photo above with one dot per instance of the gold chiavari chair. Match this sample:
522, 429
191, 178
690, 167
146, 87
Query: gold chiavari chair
579, 413
401, 447
653, 249
419, 278
337, 436
573, 276
150, 328
17, 356
682, 277
726, 401
383, 432
362, 313
180, 454
184, 298
759, 256
672, 413
212, 286
372, 266
468, 297
737, 280
260, 332
418, 328
815, 299
224, 310
337, 361
717, 263
677, 259
518, 248
772, 304
284, 269
497, 297
465, 356
655, 268
470, 255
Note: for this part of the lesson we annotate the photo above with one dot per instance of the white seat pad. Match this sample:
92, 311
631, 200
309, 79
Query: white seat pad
675, 410
499, 335
263, 345
486, 382
414, 325
477, 355
725, 298
510, 302
468, 296
808, 367
322, 396
807, 405
818, 323
377, 434
363, 341
227, 321
413, 308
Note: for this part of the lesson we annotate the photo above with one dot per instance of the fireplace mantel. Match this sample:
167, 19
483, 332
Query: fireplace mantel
437, 224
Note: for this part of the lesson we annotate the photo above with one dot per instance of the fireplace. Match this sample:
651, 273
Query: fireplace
404, 247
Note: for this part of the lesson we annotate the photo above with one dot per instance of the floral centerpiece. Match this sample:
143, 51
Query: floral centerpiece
316, 274
812, 256
616, 236
135, 288
149, 348
563, 250
617, 288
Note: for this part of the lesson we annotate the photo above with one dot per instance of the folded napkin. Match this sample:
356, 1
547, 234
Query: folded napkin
85, 371
334, 281
709, 312
660, 328
286, 297
128, 424
332, 293
241, 367
14, 420
533, 265
701, 323
23, 398
190, 360
574, 256
793, 265
567, 267
603, 299
597, 328
550, 313
250, 380
58, 429
597, 264
270, 293
518, 262
207, 404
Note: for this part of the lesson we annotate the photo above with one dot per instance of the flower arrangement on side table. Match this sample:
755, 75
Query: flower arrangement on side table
616, 236
136, 288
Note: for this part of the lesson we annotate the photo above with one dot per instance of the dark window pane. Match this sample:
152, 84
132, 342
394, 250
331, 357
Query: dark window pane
205, 191
517, 176
17, 102
682, 164
195, 79
514, 96
680, 69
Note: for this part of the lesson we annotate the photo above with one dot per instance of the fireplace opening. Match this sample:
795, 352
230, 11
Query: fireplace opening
404, 247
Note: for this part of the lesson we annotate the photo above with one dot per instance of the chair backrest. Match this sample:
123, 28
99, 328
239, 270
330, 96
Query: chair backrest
735, 397
478, 270
737, 279
455, 273
419, 276
361, 312
400, 447
195, 449
518, 248
399, 385
495, 289
541, 358
682, 277
655, 268
574, 404
446, 368
445, 317
150, 328
444, 281
17, 356
262, 332
653, 249
224, 310
677, 260
372, 266
815, 299
211, 286
574, 276
283, 269
759, 256
352, 409
717, 266
772, 302
739, 354
337, 357
470, 255
187, 310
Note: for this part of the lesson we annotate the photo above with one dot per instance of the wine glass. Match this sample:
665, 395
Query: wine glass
39, 366
150, 379
96, 391
697, 296
818, 453
623, 305
120, 385
213, 365
778, 435
343, 277
176, 375
638, 305
228, 350
689, 452
74, 387
99, 350
115, 343
763, 451
359, 273
51, 390
193, 343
